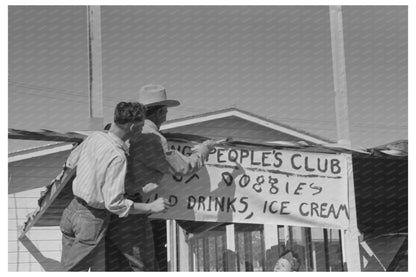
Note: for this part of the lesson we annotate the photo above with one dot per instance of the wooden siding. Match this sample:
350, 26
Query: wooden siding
41, 249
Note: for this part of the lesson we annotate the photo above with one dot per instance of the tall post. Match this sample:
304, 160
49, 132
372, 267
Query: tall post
231, 253
95, 92
95, 80
351, 235
172, 245
271, 246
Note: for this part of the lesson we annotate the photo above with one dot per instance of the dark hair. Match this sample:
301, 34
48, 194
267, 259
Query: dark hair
153, 109
107, 127
128, 112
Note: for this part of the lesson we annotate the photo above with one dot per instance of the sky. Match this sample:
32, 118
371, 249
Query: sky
272, 61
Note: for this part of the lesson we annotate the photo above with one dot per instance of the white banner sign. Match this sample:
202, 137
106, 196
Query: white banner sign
278, 187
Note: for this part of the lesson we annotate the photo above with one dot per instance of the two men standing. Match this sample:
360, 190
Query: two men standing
108, 188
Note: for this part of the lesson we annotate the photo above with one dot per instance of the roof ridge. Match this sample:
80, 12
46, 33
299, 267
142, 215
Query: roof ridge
252, 115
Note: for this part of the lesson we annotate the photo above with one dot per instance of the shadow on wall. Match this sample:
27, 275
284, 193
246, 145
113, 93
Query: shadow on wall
47, 263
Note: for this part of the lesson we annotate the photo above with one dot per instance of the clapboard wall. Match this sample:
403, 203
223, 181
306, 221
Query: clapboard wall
41, 249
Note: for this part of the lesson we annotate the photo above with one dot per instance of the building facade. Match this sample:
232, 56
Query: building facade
189, 245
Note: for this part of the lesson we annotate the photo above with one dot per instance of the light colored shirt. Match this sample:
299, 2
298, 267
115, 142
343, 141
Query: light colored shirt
150, 158
101, 166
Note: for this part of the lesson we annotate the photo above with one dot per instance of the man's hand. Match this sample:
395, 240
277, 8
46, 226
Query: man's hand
210, 144
159, 205
205, 148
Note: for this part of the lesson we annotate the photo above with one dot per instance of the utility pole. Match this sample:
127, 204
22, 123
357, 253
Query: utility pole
350, 236
95, 91
95, 79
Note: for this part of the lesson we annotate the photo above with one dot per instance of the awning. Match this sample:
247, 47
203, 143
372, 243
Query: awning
385, 253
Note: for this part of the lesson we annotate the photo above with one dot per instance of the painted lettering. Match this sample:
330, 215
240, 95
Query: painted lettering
191, 202
335, 168
314, 208
292, 160
252, 159
201, 202
186, 150
244, 154
283, 206
244, 180
173, 200
299, 188
317, 188
227, 178
220, 153
322, 168
232, 155
210, 200
278, 159
264, 157
273, 189
259, 182
230, 204
307, 168
243, 200
271, 207
321, 210
302, 212
219, 203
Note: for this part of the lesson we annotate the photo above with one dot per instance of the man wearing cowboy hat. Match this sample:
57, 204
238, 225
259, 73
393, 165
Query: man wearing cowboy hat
129, 244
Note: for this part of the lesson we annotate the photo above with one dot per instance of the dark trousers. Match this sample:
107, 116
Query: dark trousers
83, 229
129, 244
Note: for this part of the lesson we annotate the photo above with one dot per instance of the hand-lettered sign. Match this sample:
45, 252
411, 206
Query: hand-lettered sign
271, 186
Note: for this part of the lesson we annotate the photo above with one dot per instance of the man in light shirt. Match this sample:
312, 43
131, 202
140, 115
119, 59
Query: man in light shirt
99, 189
129, 241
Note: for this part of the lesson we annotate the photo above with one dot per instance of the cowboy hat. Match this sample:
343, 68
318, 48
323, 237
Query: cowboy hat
155, 95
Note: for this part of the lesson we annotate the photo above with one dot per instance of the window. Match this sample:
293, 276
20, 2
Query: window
208, 248
249, 244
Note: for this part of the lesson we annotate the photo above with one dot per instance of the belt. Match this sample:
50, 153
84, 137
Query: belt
85, 204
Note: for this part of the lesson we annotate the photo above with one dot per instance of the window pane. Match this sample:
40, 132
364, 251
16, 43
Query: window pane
200, 256
258, 250
212, 265
249, 247
220, 250
318, 249
208, 249
326, 249
298, 244
241, 257
335, 251
281, 238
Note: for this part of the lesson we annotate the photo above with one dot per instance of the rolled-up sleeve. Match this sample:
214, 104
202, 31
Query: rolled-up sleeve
153, 151
113, 188
183, 165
